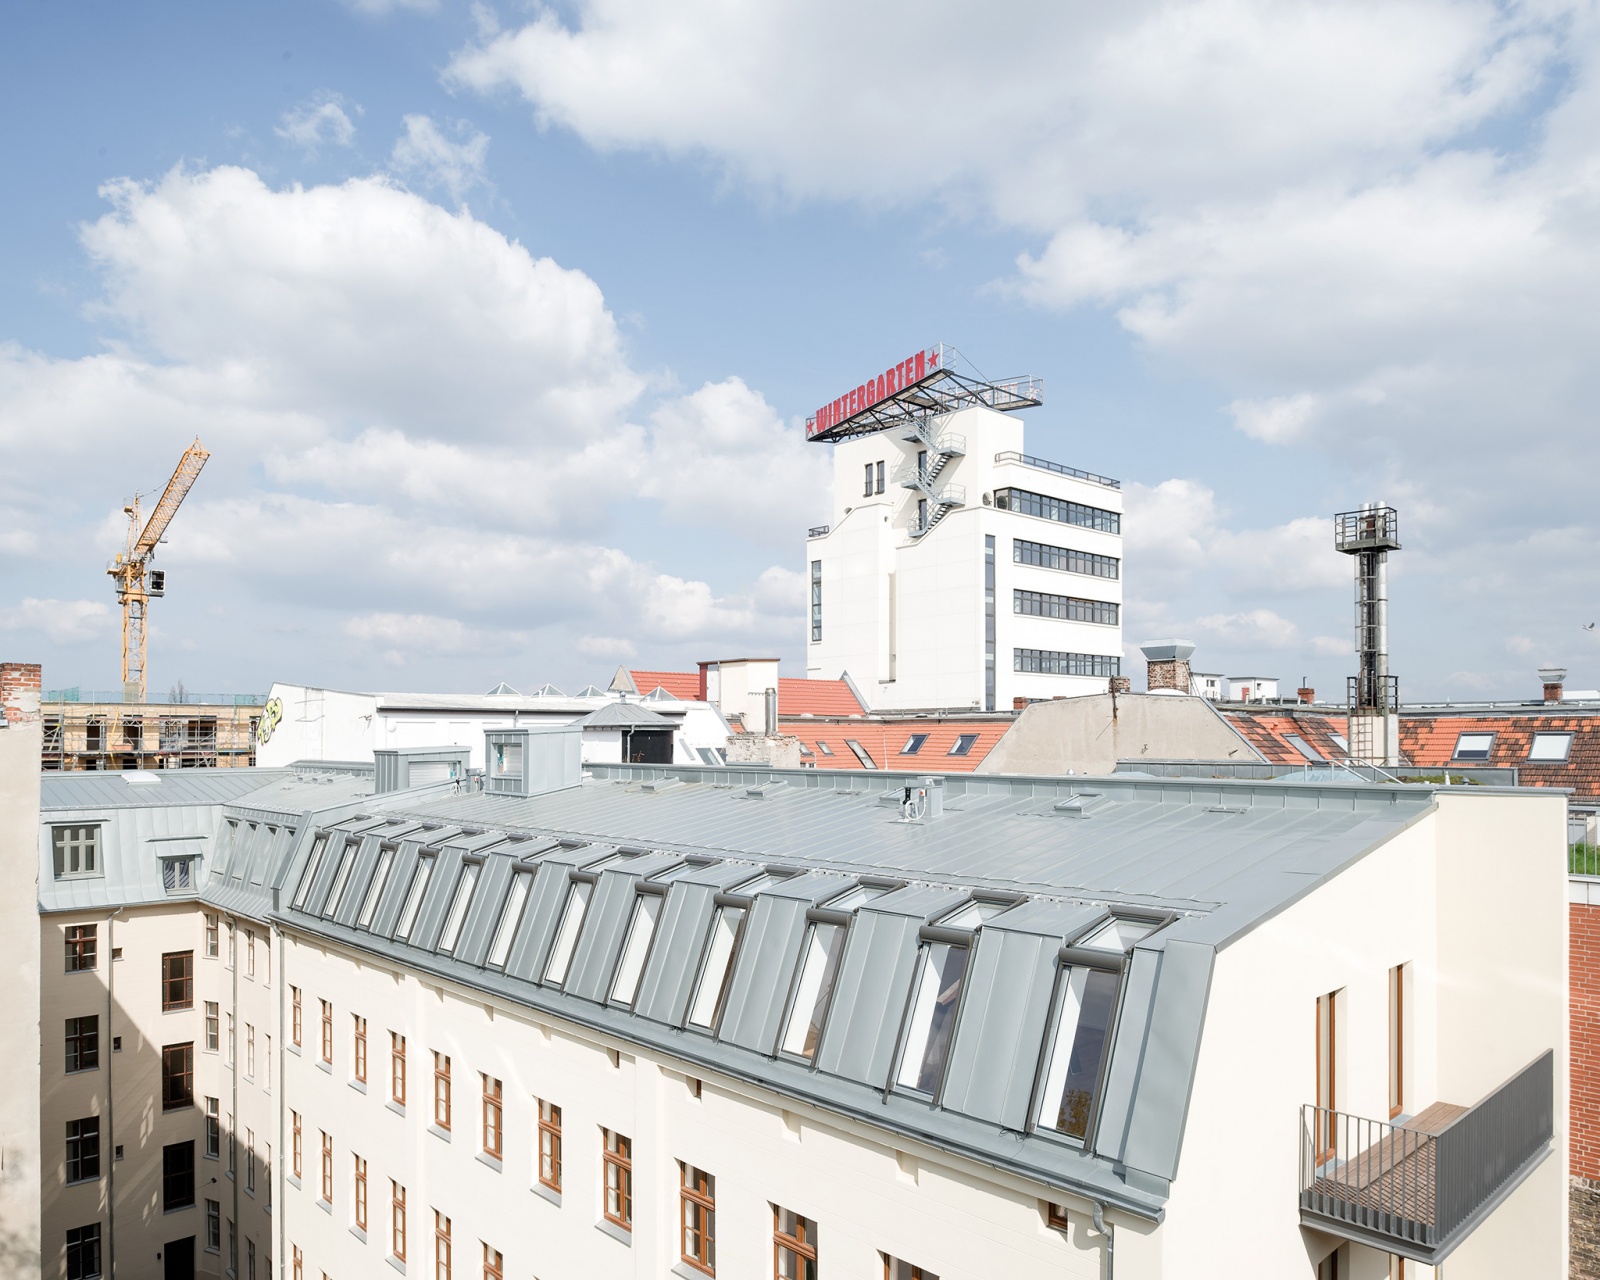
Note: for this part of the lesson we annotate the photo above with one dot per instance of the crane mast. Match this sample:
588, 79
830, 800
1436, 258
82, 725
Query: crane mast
131, 569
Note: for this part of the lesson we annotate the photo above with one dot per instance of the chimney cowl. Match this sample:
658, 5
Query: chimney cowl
1167, 650
1553, 678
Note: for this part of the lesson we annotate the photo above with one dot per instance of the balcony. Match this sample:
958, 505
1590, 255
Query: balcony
1421, 1187
1370, 529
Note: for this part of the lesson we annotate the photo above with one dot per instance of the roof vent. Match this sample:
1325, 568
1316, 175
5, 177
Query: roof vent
765, 789
1554, 678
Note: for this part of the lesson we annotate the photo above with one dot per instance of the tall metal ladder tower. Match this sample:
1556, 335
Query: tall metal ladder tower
938, 447
1373, 695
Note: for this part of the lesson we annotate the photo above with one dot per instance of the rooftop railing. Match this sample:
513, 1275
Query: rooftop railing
818, 531
1420, 1187
76, 694
1060, 469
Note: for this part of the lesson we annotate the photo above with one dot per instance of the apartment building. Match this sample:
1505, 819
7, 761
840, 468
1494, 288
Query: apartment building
635, 1020
957, 570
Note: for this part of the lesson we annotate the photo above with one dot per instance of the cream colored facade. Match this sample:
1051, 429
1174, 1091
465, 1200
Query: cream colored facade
19, 1027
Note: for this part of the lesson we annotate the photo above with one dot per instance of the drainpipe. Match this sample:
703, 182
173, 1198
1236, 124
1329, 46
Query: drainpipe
229, 1258
1109, 1233
284, 1155
111, 1104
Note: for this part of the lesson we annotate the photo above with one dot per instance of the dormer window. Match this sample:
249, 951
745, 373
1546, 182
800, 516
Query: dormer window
936, 995
1078, 1049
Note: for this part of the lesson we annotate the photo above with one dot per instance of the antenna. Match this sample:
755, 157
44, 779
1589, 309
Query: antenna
1373, 695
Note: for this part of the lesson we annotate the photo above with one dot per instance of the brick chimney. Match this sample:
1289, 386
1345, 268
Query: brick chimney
20, 686
1167, 664
1553, 678
1306, 694
1121, 684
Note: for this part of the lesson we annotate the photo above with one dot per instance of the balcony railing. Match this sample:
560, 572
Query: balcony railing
818, 531
1419, 1188
1060, 468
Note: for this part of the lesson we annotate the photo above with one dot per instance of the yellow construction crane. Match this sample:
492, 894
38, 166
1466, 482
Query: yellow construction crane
136, 581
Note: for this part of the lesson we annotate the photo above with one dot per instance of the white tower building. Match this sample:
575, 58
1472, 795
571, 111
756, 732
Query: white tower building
958, 571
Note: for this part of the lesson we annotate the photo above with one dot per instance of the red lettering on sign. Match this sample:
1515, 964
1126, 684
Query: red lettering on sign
921, 366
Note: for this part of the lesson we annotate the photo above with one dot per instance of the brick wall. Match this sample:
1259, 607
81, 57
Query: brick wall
1583, 980
20, 685
1167, 673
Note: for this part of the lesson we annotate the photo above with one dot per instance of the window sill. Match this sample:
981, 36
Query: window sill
360, 1086
324, 1066
437, 1132
292, 1181
688, 1271
399, 1108
177, 1208
359, 1234
494, 1162
83, 1182
326, 1206
294, 1049
396, 1263
81, 1071
608, 1228
549, 1193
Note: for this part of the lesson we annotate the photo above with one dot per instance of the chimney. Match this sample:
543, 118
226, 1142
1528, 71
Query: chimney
1167, 664
1305, 692
772, 713
1553, 678
1120, 684
20, 684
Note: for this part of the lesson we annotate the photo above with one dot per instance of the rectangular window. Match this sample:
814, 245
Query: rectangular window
618, 1157
866, 491
397, 1068
397, 1221
1304, 748
297, 1147
1397, 1040
1040, 604
233, 1146
177, 1076
646, 910
250, 1259
249, 1051
506, 931
419, 886
1474, 746
894, 1269
860, 752
913, 744
231, 1040
211, 936
327, 1167
441, 1246
1043, 555
824, 946
327, 1030
359, 1199
550, 1145
296, 1028
988, 623
1050, 663
82, 942
375, 888
494, 1264
879, 472
83, 1252
266, 1169
458, 907
310, 873
441, 1089
232, 945
493, 1116
555, 971
963, 744
341, 878
77, 851
213, 1128
250, 953
250, 1161
358, 1054
816, 601
794, 1246
697, 1218
177, 1176
83, 1043
824, 748
1088, 1001
1057, 509
1327, 1070
726, 929
267, 1074
83, 1149
177, 981
299, 1262
213, 1226
1547, 748
935, 998
213, 1025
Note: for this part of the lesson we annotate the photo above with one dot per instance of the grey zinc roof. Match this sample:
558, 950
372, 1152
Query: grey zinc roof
1214, 857
156, 787
626, 715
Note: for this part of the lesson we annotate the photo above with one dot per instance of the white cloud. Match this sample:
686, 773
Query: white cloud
60, 621
1274, 420
322, 119
427, 153
1255, 629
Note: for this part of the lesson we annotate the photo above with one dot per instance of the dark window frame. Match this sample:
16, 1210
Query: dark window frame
177, 1076
177, 981
82, 1052
177, 1176
82, 948
83, 1150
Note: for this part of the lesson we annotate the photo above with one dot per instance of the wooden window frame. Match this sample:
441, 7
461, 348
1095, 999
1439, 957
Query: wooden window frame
493, 1117
213, 1025
397, 1068
550, 1145
298, 1145
916, 1272
616, 1182
358, 1063
397, 1221
1397, 1040
697, 1193
327, 1167
1055, 1215
494, 1263
296, 1018
250, 953
299, 1263
1327, 1100
802, 1245
442, 1248
360, 1206
211, 936
82, 948
327, 1031
177, 981
441, 1090
184, 1054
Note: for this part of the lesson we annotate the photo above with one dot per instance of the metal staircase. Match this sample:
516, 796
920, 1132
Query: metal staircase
938, 447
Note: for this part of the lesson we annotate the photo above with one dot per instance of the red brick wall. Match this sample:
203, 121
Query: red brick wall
20, 686
1584, 982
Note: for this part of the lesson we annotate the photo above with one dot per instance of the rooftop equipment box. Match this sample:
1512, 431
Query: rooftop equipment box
531, 762
401, 768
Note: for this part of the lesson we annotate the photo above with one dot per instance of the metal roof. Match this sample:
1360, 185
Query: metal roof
626, 715
142, 788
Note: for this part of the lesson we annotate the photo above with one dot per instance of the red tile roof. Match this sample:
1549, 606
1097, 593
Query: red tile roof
817, 698
1268, 730
1430, 740
680, 684
885, 741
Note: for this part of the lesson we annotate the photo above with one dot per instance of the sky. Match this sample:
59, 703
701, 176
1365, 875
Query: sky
501, 321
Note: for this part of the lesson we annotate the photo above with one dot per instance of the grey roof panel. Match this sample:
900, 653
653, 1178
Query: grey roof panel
600, 941
668, 980
108, 790
540, 917
763, 968
869, 996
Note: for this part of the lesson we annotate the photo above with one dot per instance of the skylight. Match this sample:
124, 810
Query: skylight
419, 885
913, 744
933, 1017
963, 744
1088, 999
1304, 748
867, 761
567, 936
458, 907
708, 994
507, 930
1551, 748
310, 873
1474, 746
643, 928
823, 948
380, 880
1118, 934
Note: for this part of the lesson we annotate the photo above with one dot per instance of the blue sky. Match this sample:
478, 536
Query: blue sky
500, 321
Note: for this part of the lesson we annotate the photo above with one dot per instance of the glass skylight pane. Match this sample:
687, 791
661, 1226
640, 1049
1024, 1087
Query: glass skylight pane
636, 948
750, 888
1474, 746
380, 880
820, 967
963, 744
1118, 934
1304, 748
1340, 742
458, 908
852, 898
567, 935
341, 877
419, 885
500, 948
310, 873
1550, 747
1089, 997
933, 1017
913, 744
974, 913
707, 996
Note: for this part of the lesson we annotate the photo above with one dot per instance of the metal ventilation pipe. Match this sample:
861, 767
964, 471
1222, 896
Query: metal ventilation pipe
772, 713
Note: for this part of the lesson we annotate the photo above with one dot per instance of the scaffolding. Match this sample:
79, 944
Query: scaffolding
85, 735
